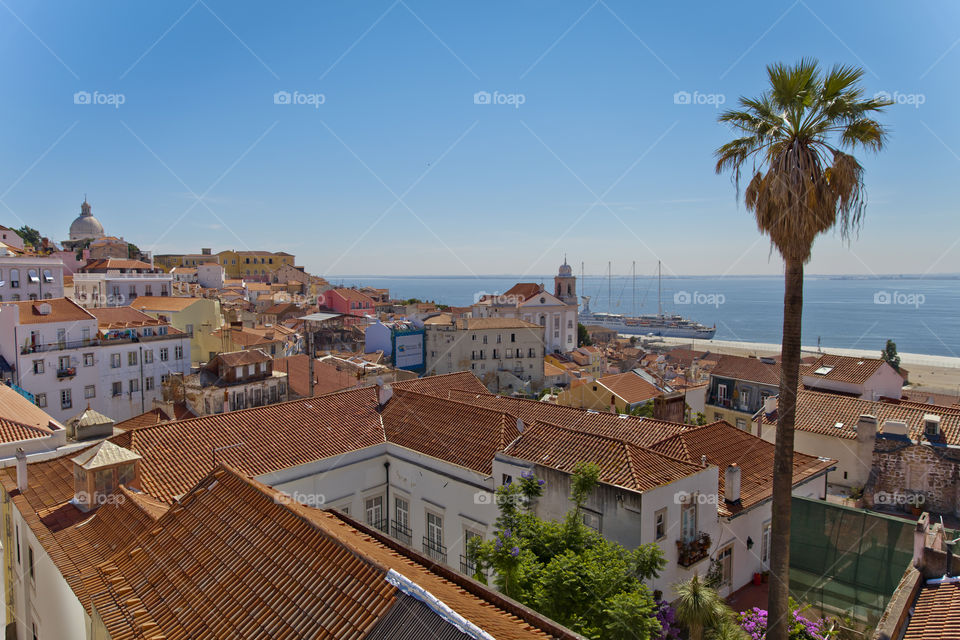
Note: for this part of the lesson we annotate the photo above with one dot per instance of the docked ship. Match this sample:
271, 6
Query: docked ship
659, 324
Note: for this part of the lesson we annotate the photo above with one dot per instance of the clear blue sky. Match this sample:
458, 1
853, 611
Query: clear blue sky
399, 171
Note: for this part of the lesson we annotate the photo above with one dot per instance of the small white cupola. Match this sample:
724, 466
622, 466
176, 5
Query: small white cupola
100, 470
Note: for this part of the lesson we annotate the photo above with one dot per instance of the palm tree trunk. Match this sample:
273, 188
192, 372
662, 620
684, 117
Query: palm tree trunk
778, 618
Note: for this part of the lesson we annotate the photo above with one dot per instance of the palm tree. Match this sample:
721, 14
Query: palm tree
699, 607
801, 185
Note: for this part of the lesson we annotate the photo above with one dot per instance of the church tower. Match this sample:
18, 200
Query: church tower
565, 284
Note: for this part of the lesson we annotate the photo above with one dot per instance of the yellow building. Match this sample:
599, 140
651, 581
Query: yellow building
201, 316
260, 265
622, 393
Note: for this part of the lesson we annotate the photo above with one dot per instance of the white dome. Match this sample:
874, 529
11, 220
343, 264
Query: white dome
86, 226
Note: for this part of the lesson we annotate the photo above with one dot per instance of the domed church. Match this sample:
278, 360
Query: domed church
85, 227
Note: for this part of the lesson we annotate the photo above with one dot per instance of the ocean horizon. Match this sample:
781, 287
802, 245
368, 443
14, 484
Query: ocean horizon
918, 312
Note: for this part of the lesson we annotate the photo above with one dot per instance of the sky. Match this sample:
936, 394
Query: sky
404, 137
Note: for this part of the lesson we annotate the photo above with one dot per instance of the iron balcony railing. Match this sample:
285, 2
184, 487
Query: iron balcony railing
401, 533
97, 342
67, 372
690, 552
468, 565
380, 525
435, 550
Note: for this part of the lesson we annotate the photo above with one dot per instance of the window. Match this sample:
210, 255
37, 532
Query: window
15, 278
90, 391
721, 392
148, 356
435, 530
660, 531
401, 513
745, 398
33, 572
238, 371
41, 399
164, 354
725, 558
38, 367
116, 389
61, 337
114, 360
66, 399
63, 363
131, 358
484, 339
499, 338
513, 337
16, 297
506, 479
17, 534
765, 545
88, 359
592, 520
134, 385
178, 353
741, 424
373, 508
688, 520
250, 369
148, 384
189, 328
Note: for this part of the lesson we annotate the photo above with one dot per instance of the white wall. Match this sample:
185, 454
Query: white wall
24, 265
128, 404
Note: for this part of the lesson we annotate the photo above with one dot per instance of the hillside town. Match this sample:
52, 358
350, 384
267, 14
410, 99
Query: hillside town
168, 419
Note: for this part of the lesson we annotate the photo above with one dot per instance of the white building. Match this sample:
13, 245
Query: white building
68, 358
556, 312
210, 275
113, 282
29, 277
865, 378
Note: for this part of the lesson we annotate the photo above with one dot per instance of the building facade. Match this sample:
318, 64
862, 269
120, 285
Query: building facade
113, 282
30, 278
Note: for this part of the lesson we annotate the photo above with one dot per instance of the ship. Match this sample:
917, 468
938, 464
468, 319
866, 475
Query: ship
659, 324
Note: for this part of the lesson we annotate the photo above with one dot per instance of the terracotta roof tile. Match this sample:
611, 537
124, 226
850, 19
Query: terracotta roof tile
163, 303
843, 368
61, 310
441, 385
630, 387
750, 369
936, 614
122, 317
327, 378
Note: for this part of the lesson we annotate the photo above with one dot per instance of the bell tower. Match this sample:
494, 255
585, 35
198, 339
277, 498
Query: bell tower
565, 284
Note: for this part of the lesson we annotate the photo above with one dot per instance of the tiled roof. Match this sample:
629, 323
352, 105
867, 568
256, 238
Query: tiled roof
327, 378
104, 454
61, 310
15, 409
478, 324
115, 263
639, 431
725, 445
819, 412
621, 463
245, 337
163, 303
282, 571
282, 307
551, 370
936, 614
457, 432
928, 397
176, 455
145, 419
353, 295
441, 385
843, 368
238, 358
123, 317
749, 369
630, 387
523, 290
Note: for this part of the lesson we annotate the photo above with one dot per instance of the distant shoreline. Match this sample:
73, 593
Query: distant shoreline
639, 276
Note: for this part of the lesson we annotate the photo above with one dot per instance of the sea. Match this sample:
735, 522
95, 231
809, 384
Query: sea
920, 314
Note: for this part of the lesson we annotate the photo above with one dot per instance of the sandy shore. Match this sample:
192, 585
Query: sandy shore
933, 373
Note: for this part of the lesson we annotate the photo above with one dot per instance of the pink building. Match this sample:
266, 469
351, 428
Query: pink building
350, 302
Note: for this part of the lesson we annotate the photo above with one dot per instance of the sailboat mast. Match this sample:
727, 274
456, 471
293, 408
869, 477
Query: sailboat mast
634, 269
609, 288
659, 302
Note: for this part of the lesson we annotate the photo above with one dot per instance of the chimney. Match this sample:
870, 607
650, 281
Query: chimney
770, 405
384, 393
703, 460
731, 484
866, 427
21, 470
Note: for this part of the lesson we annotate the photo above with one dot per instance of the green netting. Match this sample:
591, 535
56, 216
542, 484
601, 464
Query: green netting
846, 560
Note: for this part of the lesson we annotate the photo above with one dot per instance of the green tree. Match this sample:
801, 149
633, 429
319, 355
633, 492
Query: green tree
583, 336
566, 570
29, 235
133, 251
699, 607
890, 355
800, 185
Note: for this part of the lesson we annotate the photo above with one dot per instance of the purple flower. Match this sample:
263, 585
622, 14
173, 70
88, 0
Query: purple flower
515, 551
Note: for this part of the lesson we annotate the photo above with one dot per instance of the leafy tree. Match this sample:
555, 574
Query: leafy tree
633, 341
30, 236
133, 251
583, 336
566, 570
699, 607
800, 185
890, 355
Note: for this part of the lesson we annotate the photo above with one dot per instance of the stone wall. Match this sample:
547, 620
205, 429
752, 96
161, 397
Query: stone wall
903, 470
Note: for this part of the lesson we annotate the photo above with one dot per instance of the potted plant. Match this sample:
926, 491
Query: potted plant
765, 576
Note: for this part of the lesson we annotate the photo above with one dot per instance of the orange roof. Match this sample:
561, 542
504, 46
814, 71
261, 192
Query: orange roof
630, 387
936, 614
327, 378
353, 295
843, 368
145, 419
471, 324
17, 411
442, 384
123, 317
724, 445
285, 570
551, 370
61, 310
114, 263
238, 358
750, 369
163, 303
621, 463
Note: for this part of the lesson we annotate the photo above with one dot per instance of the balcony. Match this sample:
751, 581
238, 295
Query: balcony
468, 565
57, 346
68, 372
401, 533
380, 525
435, 550
693, 551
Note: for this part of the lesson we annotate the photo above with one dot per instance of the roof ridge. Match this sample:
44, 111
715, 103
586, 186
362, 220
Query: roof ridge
442, 399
